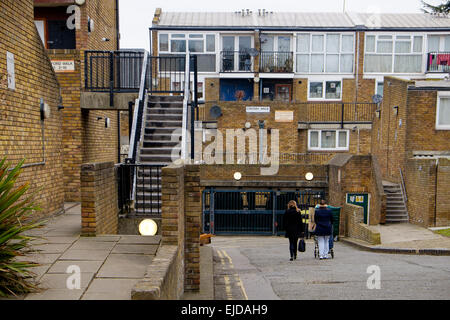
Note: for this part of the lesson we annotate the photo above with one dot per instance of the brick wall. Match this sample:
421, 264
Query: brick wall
354, 226
357, 174
426, 184
99, 209
181, 219
20, 124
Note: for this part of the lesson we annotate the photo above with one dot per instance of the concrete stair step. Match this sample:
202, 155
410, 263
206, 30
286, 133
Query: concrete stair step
154, 98
163, 130
160, 144
164, 111
164, 123
160, 137
160, 151
165, 105
155, 213
165, 117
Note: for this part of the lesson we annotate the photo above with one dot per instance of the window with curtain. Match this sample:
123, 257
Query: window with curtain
443, 112
393, 54
325, 53
330, 140
325, 90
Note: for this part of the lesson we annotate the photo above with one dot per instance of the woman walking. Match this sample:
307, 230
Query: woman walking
323, 218
293, 225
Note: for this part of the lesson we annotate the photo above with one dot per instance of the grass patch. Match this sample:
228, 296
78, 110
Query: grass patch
444, 232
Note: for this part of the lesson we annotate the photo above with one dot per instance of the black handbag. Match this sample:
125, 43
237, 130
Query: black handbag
301, 245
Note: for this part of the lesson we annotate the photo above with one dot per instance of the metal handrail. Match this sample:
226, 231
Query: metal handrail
403, 188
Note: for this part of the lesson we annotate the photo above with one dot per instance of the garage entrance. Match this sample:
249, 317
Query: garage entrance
252, 211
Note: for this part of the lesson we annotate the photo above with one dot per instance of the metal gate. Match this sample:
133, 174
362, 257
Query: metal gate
252, 211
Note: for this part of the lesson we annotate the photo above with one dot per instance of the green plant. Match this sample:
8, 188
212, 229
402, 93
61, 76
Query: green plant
442, 8
15, 218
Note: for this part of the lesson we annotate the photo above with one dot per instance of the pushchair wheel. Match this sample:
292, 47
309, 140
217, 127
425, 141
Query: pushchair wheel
332, 254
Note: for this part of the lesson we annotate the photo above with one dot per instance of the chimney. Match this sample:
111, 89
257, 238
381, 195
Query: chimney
157, 16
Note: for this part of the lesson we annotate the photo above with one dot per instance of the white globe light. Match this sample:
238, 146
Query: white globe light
80, 2
309, 176
237, 176
148, 227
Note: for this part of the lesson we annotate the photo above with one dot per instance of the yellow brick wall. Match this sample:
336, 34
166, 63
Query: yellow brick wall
20, 124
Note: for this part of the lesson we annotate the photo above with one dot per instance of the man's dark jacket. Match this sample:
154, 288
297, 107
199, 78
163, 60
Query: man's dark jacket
323, 217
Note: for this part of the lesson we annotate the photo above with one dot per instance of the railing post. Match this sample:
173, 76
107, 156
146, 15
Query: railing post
194, 107
111, 79
342, 116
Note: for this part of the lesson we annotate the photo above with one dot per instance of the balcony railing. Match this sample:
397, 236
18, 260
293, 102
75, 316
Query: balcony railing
337, 112
236, 61
275, 61
438, 62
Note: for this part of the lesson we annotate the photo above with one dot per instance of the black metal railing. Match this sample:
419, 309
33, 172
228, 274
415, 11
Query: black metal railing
337, 112
113, 71
236, 61
438, 62
166, 74
145, 200
275, 61
256, 158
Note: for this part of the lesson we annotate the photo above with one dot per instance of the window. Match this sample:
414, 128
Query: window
443, 111
203, 45
380, 88
325, 53
393, 54
325, 90
328, 140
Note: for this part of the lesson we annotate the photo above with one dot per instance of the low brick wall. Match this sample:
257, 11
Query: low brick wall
353, 217
99, 210
163, 279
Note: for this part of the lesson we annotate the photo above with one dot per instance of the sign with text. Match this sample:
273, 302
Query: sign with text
258, 109
63, 65
10, 69
284, 116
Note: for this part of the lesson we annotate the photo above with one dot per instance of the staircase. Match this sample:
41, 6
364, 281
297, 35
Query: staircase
396, 211
163, 117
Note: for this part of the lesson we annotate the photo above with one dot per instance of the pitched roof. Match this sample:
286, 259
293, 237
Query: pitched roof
300, 20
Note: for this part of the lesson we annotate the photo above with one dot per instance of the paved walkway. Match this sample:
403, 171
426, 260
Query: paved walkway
110, 265
408, 238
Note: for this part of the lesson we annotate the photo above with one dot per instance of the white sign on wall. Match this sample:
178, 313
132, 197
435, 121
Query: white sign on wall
11, 71
63, 65
258, 109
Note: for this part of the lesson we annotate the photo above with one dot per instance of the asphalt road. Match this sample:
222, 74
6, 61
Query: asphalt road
258, 268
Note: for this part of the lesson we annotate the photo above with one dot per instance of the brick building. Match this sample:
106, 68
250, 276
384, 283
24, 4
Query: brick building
67, 29
332, 84
27, 78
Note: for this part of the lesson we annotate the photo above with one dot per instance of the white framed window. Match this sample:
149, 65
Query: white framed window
201, 44
443, 111
325, 90
379, 88
325, 52
328, 140
390, 53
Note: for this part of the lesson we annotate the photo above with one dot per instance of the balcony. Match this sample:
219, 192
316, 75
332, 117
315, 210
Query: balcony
438, 62
236, 61
276, 62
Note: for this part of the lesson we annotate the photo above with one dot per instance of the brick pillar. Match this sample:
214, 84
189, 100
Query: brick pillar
99, 210
193, 212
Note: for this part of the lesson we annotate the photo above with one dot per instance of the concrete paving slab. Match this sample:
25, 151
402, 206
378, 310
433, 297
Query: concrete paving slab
40, 271
56, 294
54, 240
52, 248
125, 266
139, 240
110, 289
85, 266
69, 205
47, 258
85, 255
101, 238
93, 245
59, 281
136, 248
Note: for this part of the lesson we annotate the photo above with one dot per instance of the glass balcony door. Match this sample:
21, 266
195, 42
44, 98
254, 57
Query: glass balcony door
236, 60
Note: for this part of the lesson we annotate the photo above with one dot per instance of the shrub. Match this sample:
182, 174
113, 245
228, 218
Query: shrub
16, 209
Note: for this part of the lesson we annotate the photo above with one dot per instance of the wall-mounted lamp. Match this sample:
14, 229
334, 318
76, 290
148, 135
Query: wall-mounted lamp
105, 39
91, 25
256, 79
80, 2
309, 176
377, 113
237, 176
107, 123
395, 110
247, 125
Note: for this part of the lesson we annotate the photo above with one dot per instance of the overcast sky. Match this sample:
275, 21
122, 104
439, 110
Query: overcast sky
136, 15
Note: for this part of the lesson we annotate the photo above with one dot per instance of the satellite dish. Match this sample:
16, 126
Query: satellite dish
215, 112
253, 52
377, 98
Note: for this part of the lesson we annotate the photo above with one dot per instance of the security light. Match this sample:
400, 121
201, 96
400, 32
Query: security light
148, 227
237, 176
80, 2
309, 176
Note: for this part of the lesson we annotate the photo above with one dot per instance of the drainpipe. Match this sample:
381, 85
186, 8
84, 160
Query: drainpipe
435, 191
117, 25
